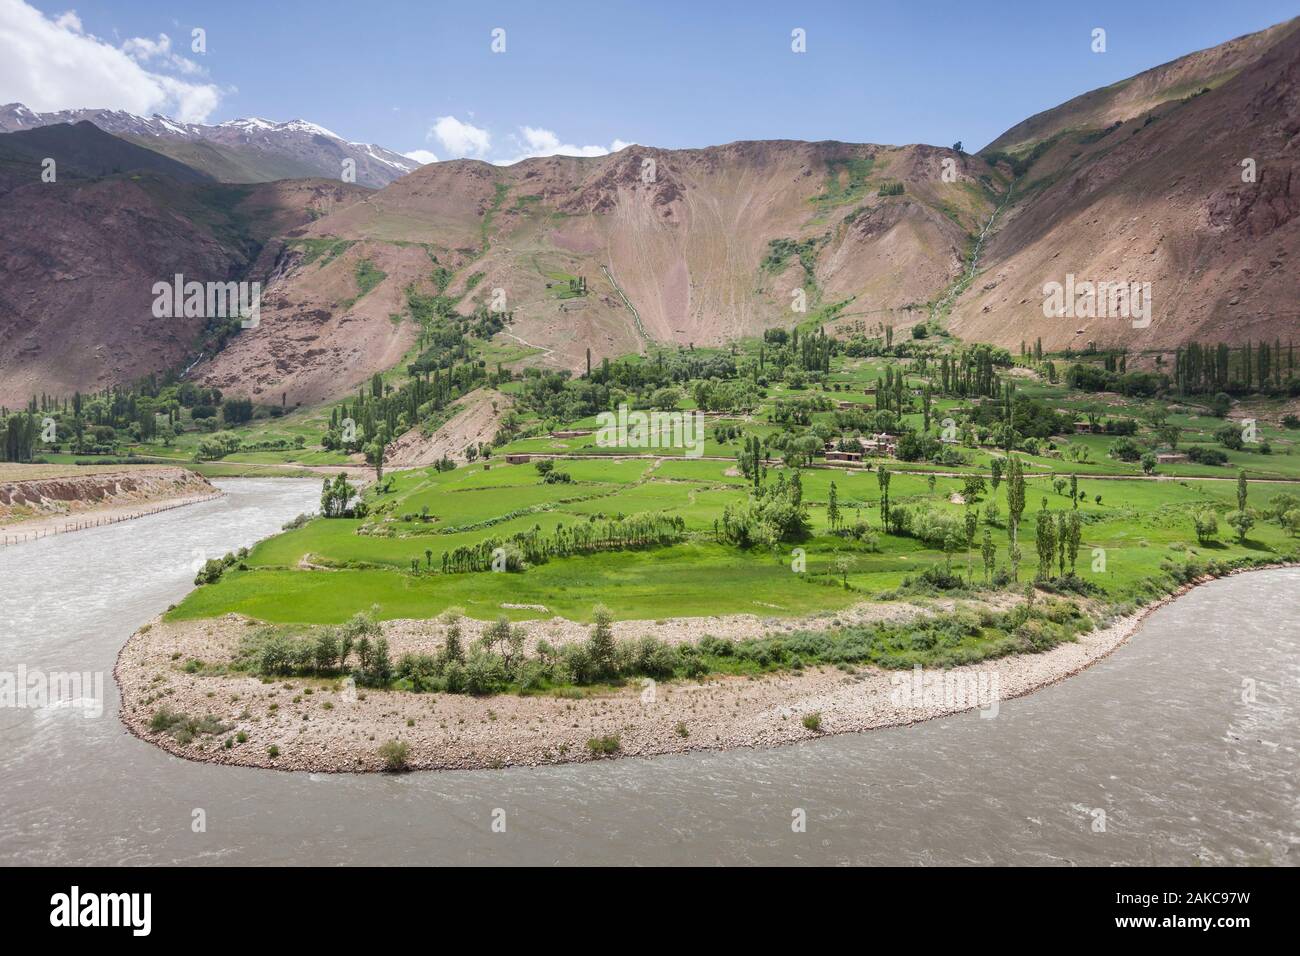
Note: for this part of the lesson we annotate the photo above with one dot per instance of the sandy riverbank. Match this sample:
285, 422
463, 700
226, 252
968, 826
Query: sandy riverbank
325, 726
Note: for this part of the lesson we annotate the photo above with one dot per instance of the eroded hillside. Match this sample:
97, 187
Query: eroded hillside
683, 246
1128, 192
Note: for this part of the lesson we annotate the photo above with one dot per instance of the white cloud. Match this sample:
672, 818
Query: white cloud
460, 139
144, 50
534, 141
53, 64
421, 156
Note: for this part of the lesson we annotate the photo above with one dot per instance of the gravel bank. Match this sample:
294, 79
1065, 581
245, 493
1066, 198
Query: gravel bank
328, 726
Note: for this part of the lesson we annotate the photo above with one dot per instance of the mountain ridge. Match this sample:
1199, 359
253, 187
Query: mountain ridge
260, 150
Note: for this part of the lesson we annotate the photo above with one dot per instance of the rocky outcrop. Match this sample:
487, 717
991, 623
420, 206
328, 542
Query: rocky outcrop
41, 497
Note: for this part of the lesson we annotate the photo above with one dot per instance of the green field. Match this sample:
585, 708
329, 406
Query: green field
356, 563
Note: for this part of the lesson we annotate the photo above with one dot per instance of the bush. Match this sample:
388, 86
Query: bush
1125, 449
813, 721
1204, 455
604, 746
182, 727
1229, 436
394, 754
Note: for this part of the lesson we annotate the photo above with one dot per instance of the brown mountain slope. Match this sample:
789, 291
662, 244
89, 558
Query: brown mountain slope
81, 255
684, 255
1160, 199
1136, 95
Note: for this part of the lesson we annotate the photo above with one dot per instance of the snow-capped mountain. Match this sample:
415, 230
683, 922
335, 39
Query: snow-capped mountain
242, 150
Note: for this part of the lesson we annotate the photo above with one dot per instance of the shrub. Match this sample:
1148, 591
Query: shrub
394, 754
813, 721
1207, 526
1125, 449
604, 746
1204, 455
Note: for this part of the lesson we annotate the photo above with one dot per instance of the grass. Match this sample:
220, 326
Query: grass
1131, 537
1138, 525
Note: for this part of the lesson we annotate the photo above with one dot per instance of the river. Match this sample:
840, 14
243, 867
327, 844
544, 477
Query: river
1180, 748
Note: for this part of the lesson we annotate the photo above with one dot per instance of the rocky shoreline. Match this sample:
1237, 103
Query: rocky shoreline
40, 507
324, 725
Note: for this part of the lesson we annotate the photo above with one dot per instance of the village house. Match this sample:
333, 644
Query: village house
881, 444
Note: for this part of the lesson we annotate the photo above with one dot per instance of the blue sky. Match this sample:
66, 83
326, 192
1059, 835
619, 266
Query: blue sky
666, 73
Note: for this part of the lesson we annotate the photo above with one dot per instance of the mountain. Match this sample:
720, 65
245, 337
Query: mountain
713, 247
240, 151
81, 254
85, 150
1144, 182
1098, 109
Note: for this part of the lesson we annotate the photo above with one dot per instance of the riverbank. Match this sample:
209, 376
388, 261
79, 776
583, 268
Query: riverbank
322, 725
48, 504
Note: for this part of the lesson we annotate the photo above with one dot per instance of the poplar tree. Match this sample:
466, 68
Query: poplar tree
1015, 508
882, 477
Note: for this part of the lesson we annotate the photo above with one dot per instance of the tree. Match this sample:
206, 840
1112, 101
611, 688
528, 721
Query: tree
882, 478
1075, 532
1075, 494
452, 649
997, 473
1291, 521
1061, 534
600, 646
1015, 508
1241, 522
833, 508
1148, 464
1206, 523
992, 514
335, 498
1125, 449
989, 552
1241, 490
972, 525
972, 488
1045, 539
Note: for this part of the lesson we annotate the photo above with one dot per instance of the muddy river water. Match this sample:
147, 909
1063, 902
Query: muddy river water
1179, 748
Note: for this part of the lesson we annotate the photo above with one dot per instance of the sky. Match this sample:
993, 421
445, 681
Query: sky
577, 77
